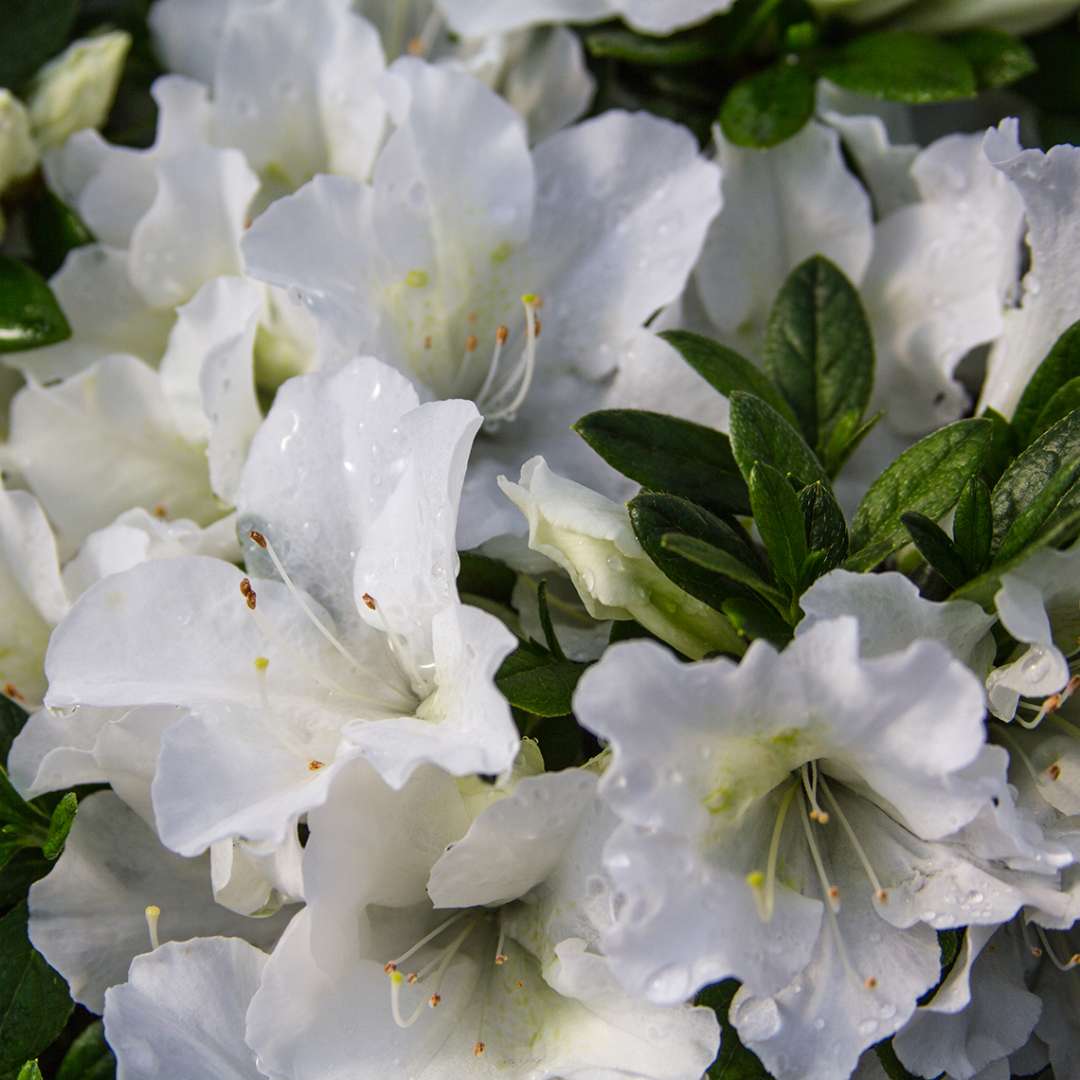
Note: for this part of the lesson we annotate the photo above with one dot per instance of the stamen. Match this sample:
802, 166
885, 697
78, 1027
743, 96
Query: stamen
457, 917
500, 340
247, 592
816, 813
314, 765
829, 889
427, 341
153, 914
523, 374
369, 601
396, 980
12, 692
880, 894
160, 512
1061, 965
423, 43
764, 886
478, 1049
500, 956
471, 342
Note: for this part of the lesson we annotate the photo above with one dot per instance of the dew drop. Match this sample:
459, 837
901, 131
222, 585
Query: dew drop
669, 984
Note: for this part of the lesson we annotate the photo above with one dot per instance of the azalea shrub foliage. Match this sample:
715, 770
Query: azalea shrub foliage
539, 539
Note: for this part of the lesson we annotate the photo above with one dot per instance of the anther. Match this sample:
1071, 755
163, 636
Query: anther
314, 765
834, 895
537, 324
434, 1000
520, 984
882, 896
160, 511
478, 1049
369, 601
153, 913
471, 342
247, 592
870, 983
1036, 952
501, 334
1054, 772
12, 692
257, 537
389, 967
501, 959
471, 317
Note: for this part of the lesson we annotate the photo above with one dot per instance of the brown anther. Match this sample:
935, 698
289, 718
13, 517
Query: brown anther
471, 317
1071, 686
12, 692
471, 342
1054, 772
882, 896
501, 334
478, 1049
248, 592
411, 978
1075, 958
520, 984
538, 326
501, 958
1036, 951
820, 816
834, 893
160, 511
1052, 703
389, 967
434, 1000
257, 538
871, 983
415, 47
427, 342
369, 601
314, 765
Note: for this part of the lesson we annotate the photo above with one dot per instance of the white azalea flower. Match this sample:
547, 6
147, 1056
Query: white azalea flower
590, 537
447, 949
183, 1007
442, 263
89, 916
360, 647
475, 17
1049, 185
1039, 604
788, 825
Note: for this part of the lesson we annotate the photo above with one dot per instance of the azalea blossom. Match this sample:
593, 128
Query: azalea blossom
465, 246
345, 639
453, 940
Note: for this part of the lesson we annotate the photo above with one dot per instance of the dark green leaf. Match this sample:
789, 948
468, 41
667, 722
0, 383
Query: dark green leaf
530, 678
826, 529
819, 350
1041, 486
14, 811
937, 548
34, 1001
901, 66
734, 1061
63, 817
1065, 401
720, 562
667, 454
845, 439
1062, 364
1003, 447
973, 526
89, 1057
24, 869
479, 575
654, 515
31, 32
998, 59
927, 478
753, 619
53, 229
29, 313
674, 50
760, 433
768, 107
12, 719
727, 371
890, 1063
779, 520
550, 638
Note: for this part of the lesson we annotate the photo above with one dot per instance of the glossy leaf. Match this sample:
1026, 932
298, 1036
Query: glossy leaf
768, 107
826, 529
760, 433
29, 314
779, 519
717, 560
1065, 401
88, 1057
53, 230
998, 59
937, 548
63, 817
928, 478
819, 351
734, 1061
973, 526
1061, 365
531, 678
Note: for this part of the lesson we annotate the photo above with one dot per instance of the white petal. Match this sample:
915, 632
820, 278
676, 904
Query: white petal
1048, 184
103, 441
188, 35
88, 916
54, 752
183, 1007
662, 18
474, 18
781, 206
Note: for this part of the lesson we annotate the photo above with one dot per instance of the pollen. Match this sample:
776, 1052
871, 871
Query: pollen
819, 816
531, 298
390, 967
1054, 772
11, 691
1036, 951
257, 538
314, 765
262, 663
834, 893
501, 334
415, 47
435, 1000
471, 342
871, 983
369, 601
416, 279
755, 879
501, 959
247, 592
160, 511
520, 984
882, 896
478, 1049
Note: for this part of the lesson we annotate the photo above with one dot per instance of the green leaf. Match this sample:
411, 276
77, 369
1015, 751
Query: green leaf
30, 1071
53, 229
734, 1061
667, 454
1003, 446
34, 1001
973, 526
726, 371
901, 66
550, 637
927, 478
15, 811
768, 107
63, 817
29, 313
846, 438
1062, 365
937, 548
530, 678
752, 620
779, 519
719, 561
674, 50
12, 719
998, 59
890, 1063
654, 515
819, 350
479, 575
26, 867
826, 529
31, 32
1065, 401
760, 433
89, 1057
1041, 485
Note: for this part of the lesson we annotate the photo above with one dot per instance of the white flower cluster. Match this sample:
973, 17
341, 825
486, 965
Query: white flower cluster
326, 851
